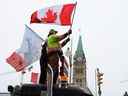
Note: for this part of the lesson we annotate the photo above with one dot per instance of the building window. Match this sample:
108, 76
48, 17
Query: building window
79, 71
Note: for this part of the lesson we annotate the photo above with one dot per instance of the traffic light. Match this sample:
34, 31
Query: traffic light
99, 77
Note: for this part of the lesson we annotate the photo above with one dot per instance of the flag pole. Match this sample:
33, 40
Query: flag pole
71, 43
33, 32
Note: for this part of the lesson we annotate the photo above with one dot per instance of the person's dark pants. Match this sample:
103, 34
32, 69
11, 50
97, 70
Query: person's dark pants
55, 75
43, 65
43, 74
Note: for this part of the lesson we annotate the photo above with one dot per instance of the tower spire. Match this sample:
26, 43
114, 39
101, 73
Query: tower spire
79, 51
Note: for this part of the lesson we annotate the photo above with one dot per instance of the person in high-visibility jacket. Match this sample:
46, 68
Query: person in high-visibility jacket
54, 45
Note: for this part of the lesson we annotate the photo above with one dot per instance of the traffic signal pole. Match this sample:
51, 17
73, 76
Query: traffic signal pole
96, 82
99, 76
99, 90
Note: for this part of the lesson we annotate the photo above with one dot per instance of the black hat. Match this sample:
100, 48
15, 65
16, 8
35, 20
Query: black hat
52, 31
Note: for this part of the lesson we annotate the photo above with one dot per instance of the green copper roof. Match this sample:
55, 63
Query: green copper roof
79, 50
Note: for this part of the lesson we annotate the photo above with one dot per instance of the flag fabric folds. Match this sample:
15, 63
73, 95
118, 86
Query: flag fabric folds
31, 46
28, 53
59, 14
34, 77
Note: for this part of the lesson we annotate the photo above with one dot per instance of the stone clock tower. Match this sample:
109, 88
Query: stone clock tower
79, 66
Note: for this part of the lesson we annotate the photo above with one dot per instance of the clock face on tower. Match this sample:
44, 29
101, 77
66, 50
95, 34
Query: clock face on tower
79, 59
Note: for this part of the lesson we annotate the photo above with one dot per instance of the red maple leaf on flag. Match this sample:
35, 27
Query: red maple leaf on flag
50, 17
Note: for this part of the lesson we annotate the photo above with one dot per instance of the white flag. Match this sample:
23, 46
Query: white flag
28, 53
31, 46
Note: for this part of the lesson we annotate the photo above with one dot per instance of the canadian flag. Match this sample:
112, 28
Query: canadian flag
60, 15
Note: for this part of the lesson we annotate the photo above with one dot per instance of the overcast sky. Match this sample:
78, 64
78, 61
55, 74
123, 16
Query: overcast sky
103, 26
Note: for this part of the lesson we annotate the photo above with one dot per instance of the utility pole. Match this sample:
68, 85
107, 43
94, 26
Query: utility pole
99, 79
